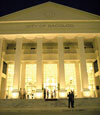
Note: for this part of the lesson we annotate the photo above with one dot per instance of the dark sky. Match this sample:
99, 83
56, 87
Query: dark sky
10, 6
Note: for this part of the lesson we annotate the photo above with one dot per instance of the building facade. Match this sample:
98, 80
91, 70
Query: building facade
52, 47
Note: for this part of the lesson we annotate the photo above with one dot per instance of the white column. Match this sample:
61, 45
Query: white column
98, 60
1, 45
23, 76
61, 72
98, 52
39, 69
83, 69
16, 81
78, 80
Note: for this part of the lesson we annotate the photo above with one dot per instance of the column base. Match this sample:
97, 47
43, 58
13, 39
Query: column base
62, 93
86, 92
39, 94
15, 94
79, 94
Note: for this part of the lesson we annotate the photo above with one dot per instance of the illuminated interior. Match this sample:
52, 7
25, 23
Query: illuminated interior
91, 78
10, 76
70, 78
51, 78
30, 79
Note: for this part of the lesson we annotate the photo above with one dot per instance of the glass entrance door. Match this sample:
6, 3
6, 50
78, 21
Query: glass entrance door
30, 80
50, 80
70, 78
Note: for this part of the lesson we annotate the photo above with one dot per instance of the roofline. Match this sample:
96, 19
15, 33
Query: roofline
23, 21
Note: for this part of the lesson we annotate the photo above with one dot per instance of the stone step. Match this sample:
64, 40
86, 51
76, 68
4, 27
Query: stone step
79, 102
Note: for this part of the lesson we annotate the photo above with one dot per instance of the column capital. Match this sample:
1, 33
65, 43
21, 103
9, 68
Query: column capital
97, 37
80, 38
60, 42
41, 36
1, 38
60, 37
19, 38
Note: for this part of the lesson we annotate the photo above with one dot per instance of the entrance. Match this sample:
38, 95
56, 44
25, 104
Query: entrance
50, 80
30, 81
70, 78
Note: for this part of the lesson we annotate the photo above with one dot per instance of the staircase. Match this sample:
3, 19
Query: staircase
40, 103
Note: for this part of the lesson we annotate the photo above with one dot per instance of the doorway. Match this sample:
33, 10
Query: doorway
51, 80
30, 81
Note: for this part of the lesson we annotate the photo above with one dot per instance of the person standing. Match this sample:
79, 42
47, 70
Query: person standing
69, 99
72, 99
47, 94
44, 93
54, 93
32, 94
20, 93
24, 94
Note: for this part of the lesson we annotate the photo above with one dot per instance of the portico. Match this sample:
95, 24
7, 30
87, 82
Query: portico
49, 51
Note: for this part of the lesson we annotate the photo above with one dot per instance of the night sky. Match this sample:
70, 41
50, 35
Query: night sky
10, 6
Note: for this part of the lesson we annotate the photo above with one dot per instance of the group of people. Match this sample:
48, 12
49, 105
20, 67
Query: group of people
22, 93
70, 99
47, 94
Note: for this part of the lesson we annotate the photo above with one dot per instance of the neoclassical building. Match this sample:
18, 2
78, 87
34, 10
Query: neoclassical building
50, 46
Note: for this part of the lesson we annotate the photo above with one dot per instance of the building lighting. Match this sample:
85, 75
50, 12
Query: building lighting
10, 88
39, 95
62, 94
86, 93
15, 95
90, 87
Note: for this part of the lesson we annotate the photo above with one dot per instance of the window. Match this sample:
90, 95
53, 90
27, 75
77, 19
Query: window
30, 78
90, 76
95, 64
4, 67
70, 77
10, 77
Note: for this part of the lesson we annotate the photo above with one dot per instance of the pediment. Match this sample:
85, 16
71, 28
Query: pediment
49, 11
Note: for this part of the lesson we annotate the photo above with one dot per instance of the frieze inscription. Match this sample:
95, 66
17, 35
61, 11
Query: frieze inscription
50, 26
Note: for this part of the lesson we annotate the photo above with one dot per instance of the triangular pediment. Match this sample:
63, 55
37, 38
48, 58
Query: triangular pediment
50, 11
